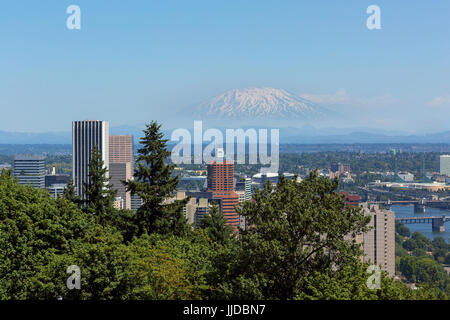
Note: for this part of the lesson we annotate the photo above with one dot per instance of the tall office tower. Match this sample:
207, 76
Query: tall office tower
220, 183
121, 149
85, 136
379, 242
121, 161
444, 165
30, 170
118, 172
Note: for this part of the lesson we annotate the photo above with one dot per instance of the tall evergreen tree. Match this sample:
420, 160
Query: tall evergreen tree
100, 196
153, 183
215, 225
70, 194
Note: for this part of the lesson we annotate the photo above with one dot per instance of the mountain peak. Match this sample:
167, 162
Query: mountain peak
257, 102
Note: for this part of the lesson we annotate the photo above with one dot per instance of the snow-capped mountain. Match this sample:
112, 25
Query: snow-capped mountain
256, 103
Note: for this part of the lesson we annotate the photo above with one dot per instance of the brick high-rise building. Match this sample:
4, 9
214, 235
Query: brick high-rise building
352, 200
221, 184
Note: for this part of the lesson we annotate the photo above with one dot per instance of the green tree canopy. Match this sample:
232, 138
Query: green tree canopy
216, 227
154, 184
99, 195
299, 229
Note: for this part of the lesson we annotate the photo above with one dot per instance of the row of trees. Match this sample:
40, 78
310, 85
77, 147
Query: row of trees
420, 260
361, 162
296, 248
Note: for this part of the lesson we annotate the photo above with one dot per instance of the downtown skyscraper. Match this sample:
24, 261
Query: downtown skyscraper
121, 149
86, 135
121, 161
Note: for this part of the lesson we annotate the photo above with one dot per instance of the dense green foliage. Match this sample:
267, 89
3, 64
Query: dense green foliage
360, 162
62, 163
99, 195
299, 246
420, 260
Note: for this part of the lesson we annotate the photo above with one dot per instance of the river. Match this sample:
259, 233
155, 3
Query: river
425, 228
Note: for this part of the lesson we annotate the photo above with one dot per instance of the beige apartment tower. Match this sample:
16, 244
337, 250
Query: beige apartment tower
379, 242
121, 149
121, 162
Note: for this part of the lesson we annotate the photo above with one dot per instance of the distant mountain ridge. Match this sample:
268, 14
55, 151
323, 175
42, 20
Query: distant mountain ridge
307, 134
7, 137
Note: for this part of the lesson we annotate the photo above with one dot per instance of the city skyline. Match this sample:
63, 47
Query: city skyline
233, 151
154, 58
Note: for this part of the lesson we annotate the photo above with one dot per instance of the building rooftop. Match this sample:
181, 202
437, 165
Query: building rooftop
58, 185
272, 175
29, 157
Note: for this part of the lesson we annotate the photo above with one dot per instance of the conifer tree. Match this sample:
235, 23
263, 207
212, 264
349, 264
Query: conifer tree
154, 184
100, 196
216, 227
70, 194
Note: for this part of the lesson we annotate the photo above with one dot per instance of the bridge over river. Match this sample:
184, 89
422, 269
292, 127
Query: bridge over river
437, 222
419, 205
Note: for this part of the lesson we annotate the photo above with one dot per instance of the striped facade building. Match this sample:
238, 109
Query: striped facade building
30, 170
85, 136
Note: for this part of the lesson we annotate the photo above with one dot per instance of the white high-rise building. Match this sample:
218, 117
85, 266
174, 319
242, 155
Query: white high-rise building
444, 164
86, 135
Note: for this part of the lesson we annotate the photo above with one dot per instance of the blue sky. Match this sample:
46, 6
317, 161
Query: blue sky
134, 61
